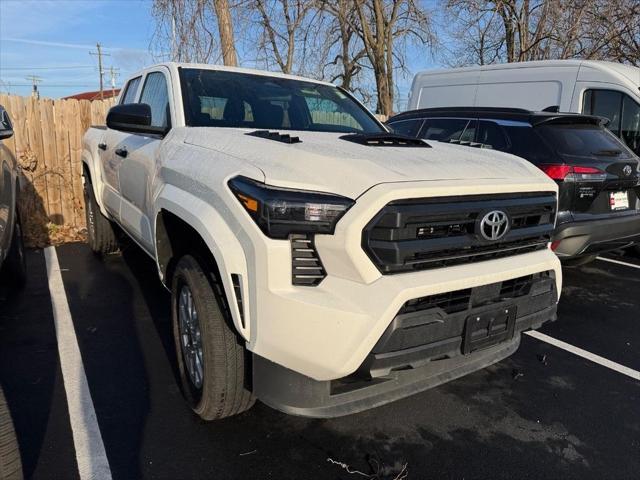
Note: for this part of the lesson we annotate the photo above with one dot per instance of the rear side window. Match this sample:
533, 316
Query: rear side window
582, 140
604, 103
526, 143
453, 130
407, 127
491, 135
630, 125
130, 91
155, 94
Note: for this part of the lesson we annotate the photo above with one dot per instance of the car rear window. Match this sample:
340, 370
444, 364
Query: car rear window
526, 143
582, 140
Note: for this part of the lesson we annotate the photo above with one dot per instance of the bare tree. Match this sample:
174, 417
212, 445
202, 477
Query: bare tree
183, 31
488, 31
384, 26
225, 30
343, 47
194, 31
281, 29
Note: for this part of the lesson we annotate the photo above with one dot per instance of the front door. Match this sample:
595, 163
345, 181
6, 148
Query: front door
137, 170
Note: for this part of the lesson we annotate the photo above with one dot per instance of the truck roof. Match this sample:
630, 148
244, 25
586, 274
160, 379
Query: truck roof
208, 66
516, 114
630, 73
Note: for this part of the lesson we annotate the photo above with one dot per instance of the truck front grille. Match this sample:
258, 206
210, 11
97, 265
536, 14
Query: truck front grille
427, 233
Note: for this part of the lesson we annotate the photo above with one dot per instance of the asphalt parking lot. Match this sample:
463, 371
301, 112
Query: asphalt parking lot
543, 413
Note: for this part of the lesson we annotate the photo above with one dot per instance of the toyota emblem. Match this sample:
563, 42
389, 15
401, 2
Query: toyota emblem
627, 170
494, 225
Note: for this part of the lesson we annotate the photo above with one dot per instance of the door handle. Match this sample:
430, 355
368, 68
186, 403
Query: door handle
122, 152
102, 146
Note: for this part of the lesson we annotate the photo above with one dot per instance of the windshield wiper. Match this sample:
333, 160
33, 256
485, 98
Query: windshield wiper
610, 153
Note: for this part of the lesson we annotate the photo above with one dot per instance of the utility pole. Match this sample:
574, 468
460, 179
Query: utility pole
100, 54
113, 72
35, 80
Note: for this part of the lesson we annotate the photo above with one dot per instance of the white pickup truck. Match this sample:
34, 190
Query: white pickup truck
316, 261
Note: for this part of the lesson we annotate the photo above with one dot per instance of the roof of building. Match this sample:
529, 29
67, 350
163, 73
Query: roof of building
94, 95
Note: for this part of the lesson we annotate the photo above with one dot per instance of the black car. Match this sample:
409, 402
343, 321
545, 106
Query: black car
12, 260
13, 274
598, 176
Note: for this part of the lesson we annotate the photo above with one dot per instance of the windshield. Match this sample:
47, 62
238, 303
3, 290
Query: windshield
583, 140
215, 98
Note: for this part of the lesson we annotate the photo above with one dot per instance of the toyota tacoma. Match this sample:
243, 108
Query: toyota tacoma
315, 260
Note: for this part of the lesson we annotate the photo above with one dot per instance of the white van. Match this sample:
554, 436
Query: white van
607, 89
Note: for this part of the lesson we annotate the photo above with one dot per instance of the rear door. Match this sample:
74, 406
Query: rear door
605, 171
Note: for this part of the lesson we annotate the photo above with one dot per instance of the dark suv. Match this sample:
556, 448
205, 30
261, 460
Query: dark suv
598, 176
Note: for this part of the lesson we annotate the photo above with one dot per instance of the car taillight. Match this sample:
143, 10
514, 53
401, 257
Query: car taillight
570, 173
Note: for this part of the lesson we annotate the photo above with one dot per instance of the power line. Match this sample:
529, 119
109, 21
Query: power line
75, 67
35, 80
114, 74
100, 54
11, 84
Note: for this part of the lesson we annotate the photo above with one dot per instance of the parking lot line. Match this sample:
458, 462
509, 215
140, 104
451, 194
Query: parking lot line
584, 354
611, 260
90, 453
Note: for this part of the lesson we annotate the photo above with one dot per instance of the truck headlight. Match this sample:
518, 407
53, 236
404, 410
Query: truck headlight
280, 212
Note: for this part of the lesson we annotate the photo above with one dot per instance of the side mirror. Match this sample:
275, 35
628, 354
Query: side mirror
133, 117
6, 129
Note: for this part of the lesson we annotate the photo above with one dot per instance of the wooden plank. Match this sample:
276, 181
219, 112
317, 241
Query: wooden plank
75, 142
50, 158
34, 131
62, 116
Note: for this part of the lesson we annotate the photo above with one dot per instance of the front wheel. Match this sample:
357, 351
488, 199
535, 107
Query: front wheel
211, 357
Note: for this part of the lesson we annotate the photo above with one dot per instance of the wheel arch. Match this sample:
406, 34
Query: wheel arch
184, 223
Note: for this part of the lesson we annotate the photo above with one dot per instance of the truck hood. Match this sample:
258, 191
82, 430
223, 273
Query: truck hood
324, 162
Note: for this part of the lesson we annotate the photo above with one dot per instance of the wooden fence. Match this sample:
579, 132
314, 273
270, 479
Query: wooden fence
47, 142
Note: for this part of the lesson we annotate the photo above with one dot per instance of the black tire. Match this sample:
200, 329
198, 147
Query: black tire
101, 235
223, 391
578, 262
10, 463
14, 271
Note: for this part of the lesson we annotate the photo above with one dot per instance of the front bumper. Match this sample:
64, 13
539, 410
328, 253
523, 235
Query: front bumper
592, 237
293, 393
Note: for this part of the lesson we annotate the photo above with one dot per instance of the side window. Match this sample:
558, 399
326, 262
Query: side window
630, 124
491, 135
5, 121
155, 94
407, 127
130, 91
604, 103
452, 130
527, 143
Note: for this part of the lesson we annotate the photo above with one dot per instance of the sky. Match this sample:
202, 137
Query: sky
51, 39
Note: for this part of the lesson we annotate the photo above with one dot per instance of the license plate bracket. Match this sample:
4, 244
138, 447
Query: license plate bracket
489, 328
